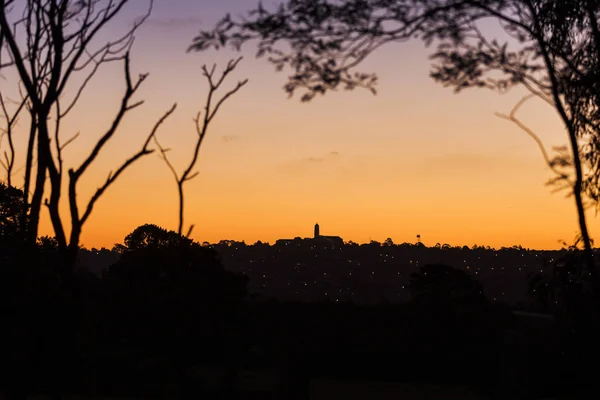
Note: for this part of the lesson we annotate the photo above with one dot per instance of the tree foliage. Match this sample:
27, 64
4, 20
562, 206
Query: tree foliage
11, 208
170, 297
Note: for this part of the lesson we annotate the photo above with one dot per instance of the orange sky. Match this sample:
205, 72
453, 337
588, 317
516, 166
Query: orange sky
415, 159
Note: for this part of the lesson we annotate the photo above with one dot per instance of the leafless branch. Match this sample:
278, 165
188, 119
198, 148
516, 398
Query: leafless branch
75, 174
112, 177
163, 155
9, 155
125, 106
57, 138
58, 41
202, 125
71, 140
512, 117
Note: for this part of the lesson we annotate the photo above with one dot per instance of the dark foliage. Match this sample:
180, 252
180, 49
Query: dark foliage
165, 305
442, 287
326, 40
170, 300
11, 209
562, 292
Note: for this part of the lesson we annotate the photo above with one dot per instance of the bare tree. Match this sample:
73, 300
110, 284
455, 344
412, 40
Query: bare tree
211, 108
8, 161
557, 57
51, 46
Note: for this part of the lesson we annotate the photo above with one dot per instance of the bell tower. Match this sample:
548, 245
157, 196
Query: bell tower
317, 231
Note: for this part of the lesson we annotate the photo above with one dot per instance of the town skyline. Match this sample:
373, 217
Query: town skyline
341, 241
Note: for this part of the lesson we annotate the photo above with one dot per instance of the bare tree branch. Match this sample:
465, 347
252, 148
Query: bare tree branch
125, 106
202, 125
59, 41
75, 174
8, 131
551, 164
112, 177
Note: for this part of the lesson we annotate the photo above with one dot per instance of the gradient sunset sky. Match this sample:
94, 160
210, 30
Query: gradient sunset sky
414, 159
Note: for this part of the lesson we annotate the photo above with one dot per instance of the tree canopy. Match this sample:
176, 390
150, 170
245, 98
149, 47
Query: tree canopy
11, 207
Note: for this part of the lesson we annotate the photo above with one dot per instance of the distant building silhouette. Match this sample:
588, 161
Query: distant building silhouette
334, 241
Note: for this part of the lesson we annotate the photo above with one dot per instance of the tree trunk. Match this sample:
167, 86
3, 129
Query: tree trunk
36, 199
577, 191
23, 221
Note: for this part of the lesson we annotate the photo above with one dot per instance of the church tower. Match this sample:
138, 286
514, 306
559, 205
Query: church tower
317, 231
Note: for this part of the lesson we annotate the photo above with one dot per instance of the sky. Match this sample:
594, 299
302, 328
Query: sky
416, 159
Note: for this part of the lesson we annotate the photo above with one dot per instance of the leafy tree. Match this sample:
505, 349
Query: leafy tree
150, 236
171, 298
554, 53
11, 208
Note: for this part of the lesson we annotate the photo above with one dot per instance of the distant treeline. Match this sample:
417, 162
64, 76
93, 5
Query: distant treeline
305, 270
167, 305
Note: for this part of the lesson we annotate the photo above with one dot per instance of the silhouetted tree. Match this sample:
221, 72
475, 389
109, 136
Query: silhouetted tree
11, 208
171, 300
556, 57
54, 61
11, 241
8, 163
52, 50
210, 111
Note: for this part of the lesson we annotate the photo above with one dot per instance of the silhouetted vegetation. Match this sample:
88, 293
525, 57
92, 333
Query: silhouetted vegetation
210, 111
163, 316
549, 48
165, 305
54, 60
554, 54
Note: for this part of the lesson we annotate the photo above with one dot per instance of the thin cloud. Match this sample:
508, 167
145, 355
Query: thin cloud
313, 164
230, 138
331, 155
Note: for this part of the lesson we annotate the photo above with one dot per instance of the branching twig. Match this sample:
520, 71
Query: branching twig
512, 117
9, 161
59, 41
74, 174
113, 176
125, 106
201, 129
